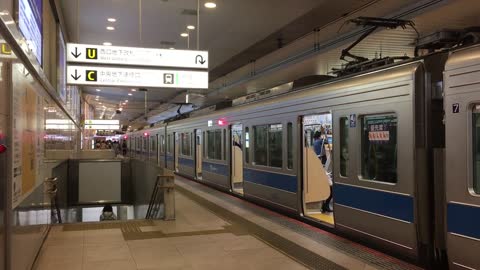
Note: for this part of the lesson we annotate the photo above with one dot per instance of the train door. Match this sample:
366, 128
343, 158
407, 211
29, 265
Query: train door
317, 167
236, 152
462, 161
176, 149
198, 154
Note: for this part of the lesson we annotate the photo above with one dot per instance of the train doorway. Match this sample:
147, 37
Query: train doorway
198, 154
318, 167
236, 152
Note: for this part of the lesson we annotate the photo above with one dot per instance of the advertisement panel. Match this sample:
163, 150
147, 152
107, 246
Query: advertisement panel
28, 132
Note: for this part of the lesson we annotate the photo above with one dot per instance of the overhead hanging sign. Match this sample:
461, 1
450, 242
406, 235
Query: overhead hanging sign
103, 127
102, 122
108, 76
132, 56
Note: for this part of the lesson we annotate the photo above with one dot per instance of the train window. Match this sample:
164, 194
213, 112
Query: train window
476, 149
169, 143
162, 143
214, 140
247, 145
268, 145
290, 146
154, 144
225, 144
204, 145
275, 146
379, 148
218, 144
344, 126
186, 149
260, 134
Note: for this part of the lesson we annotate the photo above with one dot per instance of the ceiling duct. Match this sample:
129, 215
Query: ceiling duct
189, 12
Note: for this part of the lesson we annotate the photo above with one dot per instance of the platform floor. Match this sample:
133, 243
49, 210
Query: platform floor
212, 230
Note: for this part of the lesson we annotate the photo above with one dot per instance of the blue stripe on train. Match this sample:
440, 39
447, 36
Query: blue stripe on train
187, 162
379, 202
274, 180
463, 220
221, 169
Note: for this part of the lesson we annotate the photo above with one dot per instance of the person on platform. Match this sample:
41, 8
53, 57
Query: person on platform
107, 213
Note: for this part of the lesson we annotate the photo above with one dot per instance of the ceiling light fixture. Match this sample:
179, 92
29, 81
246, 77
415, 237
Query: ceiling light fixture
126, 100
191, 27
111, 19
111, 28
134, 90
130, 94
107, 43
172, 48
210, 5
98, 90
184, 34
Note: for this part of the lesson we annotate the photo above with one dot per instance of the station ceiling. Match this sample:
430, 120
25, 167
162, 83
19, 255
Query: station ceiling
235, 33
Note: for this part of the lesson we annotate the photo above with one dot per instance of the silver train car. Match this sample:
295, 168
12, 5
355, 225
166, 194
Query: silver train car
403, 147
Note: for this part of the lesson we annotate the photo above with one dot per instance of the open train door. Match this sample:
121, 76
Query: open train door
316, 183
462, 159
236, 152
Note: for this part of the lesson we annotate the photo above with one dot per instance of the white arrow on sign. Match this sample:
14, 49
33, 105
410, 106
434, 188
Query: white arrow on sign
132, 77
84, 53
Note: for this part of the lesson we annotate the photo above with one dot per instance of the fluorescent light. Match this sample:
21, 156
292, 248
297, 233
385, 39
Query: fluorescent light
172, 48
184, 34
107, 43
111, 19
130, 94
191, 27
111, 28
126, 100
100, 103
124, 104
210, 5
134, 90
98, 90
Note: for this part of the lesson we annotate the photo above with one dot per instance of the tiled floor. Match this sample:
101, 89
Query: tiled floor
197, 239
212, 230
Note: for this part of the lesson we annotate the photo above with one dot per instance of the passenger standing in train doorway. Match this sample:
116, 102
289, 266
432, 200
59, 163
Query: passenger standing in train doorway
319, 147
320, 151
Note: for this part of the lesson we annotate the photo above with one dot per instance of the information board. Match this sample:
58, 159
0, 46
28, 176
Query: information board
133, 56
108, 76
30, 16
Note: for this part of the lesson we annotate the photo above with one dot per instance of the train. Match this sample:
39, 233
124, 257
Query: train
404, 141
